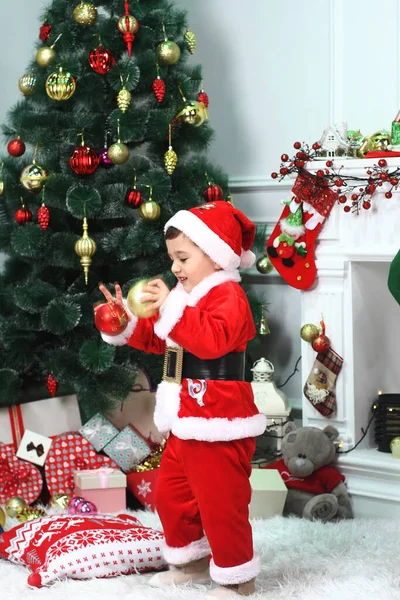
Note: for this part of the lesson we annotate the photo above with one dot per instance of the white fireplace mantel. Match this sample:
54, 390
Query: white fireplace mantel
353, 256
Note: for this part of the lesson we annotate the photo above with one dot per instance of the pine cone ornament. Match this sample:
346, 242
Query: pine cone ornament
203, 97
52, 385
124, 99
43, 217
170, 160
190, 39
159, 89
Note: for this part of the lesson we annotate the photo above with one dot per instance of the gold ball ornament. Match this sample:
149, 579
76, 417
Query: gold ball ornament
30, 514
85, 247
60, 501
118, 153
193, 112
2, 517
45, 56
85, 14
124, 99
134, 300
60, 85
168, 53
309, 332
33, 177
14, 506
264, 265
27, 84
170, 160
149, 211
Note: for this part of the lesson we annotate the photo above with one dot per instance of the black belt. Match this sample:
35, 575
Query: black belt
179, 365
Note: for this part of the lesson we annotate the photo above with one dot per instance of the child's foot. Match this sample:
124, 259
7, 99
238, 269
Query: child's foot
194, 572
232, 591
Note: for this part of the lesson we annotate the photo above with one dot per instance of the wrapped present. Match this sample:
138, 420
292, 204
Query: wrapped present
34, 448
268, 493
105, 487
48, 417
128, 449
17, 477
68, 453
98, 431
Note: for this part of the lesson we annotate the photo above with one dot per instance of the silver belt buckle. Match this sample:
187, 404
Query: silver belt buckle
173, 362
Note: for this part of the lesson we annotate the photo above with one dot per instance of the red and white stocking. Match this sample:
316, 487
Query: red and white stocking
319, 388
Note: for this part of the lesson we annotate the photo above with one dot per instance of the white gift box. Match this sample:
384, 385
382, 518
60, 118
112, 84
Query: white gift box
51, 416
268, 493
34, 448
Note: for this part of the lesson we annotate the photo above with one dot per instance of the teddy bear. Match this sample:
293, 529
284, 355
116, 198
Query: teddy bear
316, 489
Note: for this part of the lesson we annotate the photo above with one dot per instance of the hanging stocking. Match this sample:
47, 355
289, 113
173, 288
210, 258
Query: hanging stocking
319, 388
291, 245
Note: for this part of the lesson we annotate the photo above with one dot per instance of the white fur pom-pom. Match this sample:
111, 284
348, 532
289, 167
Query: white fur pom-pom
247, 259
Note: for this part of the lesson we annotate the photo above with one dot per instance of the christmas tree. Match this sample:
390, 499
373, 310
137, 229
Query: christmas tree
108, 141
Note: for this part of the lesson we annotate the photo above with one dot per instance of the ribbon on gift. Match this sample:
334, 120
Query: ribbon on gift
315, 191
39, 448
103, 473
12, 476
16, 424
133, 454
97, 426
79, 464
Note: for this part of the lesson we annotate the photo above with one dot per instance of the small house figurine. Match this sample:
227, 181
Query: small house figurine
334, 141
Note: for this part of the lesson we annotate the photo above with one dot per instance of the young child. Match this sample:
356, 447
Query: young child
203, 403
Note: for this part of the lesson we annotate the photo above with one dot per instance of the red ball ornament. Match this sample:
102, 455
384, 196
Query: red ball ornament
274, 175
382, 162
284, 158
16, 147
158, 86
329, 163
203, 97
297, 145
388, 194
101, 60
284, 171
84, 160
321, 343
366, 205
134, 198
316, 146
342, 199
346, 209
212, 193
23, 215
43, 217
111, 318
52, 385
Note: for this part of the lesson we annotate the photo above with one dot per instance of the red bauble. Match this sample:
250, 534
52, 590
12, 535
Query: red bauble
202, 97
52, 385
134, 198
43, 217
321, 343
23, 215
212, 193
45, 32
101, 60
111, 318
84, 160
158, 86
382, 162
16, 147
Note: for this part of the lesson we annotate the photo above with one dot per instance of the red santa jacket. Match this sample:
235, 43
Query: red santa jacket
322, 481
211, 321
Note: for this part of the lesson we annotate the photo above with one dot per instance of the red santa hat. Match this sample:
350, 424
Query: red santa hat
222, 231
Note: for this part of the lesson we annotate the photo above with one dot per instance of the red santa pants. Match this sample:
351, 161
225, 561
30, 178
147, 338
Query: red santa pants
203, 495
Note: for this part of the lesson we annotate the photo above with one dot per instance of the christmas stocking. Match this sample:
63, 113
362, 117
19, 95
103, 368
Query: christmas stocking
319, 388
291, 245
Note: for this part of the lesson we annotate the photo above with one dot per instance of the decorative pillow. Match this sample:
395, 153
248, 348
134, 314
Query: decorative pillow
82, 547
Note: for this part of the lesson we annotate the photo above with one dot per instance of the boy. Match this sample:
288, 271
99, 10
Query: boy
203, 403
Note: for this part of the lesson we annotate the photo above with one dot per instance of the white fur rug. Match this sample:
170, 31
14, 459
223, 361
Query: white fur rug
352, 560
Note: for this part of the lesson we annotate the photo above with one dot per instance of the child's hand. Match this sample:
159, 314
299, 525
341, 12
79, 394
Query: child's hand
110, 299
155, 292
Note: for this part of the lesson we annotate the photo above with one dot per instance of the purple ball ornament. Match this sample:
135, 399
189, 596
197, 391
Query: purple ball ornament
86, 508
105, 162
74, 503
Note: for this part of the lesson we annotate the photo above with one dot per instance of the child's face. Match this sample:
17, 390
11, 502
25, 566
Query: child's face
189, 263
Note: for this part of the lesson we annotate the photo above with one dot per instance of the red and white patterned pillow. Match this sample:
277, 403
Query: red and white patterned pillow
82, 547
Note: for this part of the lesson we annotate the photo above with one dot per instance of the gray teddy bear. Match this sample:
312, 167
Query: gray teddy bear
316, 489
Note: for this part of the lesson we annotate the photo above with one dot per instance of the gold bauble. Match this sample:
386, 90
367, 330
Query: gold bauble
170, 160
264, 265
135, 305
85, 247
30, 514
190, 38
45, 56
118, 153
14, 506
2, 187
193, 112
85, 14
149, 211
168, 53
128, 24
309, 332
33, 177
124, 99
60, 85
2, 517
27, 84
60, 501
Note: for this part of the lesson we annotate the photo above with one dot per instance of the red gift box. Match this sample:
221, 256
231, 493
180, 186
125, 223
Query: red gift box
18, 477
68, 453
143, 486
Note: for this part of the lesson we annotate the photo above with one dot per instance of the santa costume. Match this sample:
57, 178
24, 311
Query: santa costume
204, 403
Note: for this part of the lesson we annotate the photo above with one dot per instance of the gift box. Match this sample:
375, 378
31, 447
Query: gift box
98, 431
106, 488
142, 484
48, 417
68, 453
17, 477
34, 448
128, 449
268, 493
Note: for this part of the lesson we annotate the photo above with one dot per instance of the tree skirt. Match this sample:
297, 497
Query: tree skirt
351, 560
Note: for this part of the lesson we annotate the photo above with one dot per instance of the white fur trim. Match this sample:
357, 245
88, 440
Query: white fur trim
210, 282
168, 402
193, 551
238, 574
218, 429
211, 244
122, 338
247, 259
172, 311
